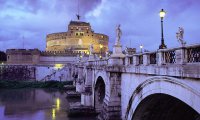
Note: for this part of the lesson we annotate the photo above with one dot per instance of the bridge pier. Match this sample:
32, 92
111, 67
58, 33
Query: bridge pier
86, 95
81, 80
112, 103
86, 99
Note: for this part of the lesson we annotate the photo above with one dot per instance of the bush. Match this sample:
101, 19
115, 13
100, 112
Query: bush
32, 84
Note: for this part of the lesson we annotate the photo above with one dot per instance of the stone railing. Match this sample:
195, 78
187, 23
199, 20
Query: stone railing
181, 55
152, 57
193, 54
101, 62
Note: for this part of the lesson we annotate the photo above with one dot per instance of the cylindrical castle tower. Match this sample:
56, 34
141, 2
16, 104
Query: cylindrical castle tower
78, 38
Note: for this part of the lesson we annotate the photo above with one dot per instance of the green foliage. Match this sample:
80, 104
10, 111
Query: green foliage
32, 84
3, 56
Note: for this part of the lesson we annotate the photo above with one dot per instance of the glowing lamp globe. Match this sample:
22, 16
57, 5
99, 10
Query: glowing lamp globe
162, 13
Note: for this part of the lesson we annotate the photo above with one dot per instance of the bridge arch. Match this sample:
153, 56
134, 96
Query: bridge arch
99, 94
158, 89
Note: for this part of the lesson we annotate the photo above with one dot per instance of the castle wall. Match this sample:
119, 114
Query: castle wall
22, 56
36, 57
79, 36
62, 43
43, 71
57, 59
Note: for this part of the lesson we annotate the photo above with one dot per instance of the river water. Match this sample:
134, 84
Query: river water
34, 104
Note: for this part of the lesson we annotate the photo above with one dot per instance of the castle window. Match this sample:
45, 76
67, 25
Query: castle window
79, 33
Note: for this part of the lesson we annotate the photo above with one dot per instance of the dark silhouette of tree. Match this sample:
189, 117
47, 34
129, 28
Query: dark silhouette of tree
3, 56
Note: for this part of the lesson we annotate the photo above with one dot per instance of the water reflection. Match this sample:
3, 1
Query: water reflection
34, 104
53, 113
58, 103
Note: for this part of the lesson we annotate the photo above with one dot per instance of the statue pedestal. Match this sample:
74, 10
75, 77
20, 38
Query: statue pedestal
117, 56
117, 52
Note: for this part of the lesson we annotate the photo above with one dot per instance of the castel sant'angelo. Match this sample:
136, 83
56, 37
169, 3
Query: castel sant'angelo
63, 47
78, 38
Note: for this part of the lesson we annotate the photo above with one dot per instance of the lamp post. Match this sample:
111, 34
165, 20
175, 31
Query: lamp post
162, 15
101, 46
141, 46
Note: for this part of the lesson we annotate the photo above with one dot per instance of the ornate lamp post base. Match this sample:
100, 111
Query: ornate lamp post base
162, 46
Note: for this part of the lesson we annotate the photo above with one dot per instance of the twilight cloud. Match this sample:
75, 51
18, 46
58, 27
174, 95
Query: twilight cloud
33, 19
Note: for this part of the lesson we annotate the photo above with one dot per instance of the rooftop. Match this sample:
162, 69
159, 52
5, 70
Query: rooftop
79, 23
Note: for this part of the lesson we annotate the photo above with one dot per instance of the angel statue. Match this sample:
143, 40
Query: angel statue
119, 34
179, 36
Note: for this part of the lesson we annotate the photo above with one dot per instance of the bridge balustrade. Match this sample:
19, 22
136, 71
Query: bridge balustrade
140, 59
170, 56
193, 54
101, 62
153, 58
181, 55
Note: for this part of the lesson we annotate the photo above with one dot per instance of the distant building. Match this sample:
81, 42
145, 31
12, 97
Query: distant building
78, 38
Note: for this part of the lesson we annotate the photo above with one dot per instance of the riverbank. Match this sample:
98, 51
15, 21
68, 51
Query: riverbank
9, 84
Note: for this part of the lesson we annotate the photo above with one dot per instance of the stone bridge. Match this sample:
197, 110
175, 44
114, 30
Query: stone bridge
160, 85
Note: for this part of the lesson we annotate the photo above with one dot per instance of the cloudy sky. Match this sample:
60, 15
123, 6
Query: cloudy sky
31, 20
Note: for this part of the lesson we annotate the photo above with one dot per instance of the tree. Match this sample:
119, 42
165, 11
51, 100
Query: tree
3, 56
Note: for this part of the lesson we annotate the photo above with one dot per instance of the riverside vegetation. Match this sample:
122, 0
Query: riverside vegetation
10, 84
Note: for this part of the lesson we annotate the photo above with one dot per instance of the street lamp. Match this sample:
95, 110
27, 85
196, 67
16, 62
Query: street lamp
141, 46
162, 15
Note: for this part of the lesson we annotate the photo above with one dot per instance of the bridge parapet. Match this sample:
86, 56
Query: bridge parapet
181, 55
173, 56
101, 62
179, 62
